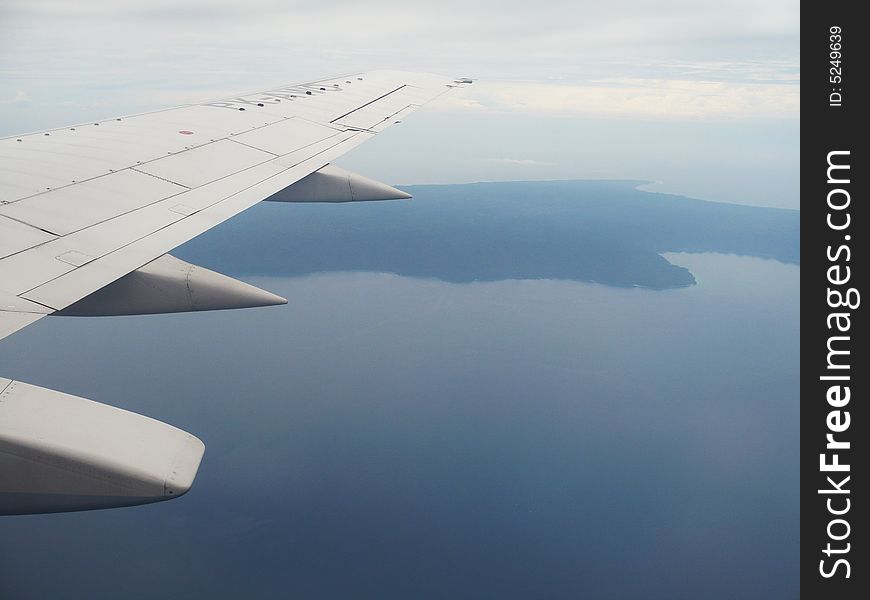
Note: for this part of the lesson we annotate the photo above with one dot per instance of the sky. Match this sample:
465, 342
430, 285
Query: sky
700, 98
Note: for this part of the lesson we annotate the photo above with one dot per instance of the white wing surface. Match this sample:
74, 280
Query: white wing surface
88, 214
82, 206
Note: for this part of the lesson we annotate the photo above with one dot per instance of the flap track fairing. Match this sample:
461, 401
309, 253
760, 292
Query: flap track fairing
170, 285
334, 184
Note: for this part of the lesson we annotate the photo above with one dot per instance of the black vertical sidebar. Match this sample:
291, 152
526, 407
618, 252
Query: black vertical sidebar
834, 223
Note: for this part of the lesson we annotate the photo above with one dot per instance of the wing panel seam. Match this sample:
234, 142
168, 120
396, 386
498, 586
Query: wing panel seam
367, 103
213, 204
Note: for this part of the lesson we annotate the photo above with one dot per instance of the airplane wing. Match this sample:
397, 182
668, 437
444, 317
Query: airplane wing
88, 215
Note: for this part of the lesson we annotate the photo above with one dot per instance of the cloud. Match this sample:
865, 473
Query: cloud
522, 162
504, 39
674, 59
20, 97
635, 98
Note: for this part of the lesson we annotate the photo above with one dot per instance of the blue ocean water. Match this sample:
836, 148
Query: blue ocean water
391, 434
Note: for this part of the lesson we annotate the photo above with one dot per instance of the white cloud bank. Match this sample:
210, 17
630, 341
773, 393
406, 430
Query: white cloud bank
634, 98
678, 59
523, 162
20, 97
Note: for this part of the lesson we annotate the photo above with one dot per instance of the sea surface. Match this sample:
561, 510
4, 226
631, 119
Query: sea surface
527, 390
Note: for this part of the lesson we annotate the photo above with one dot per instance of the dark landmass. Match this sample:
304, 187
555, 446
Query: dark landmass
607, 232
